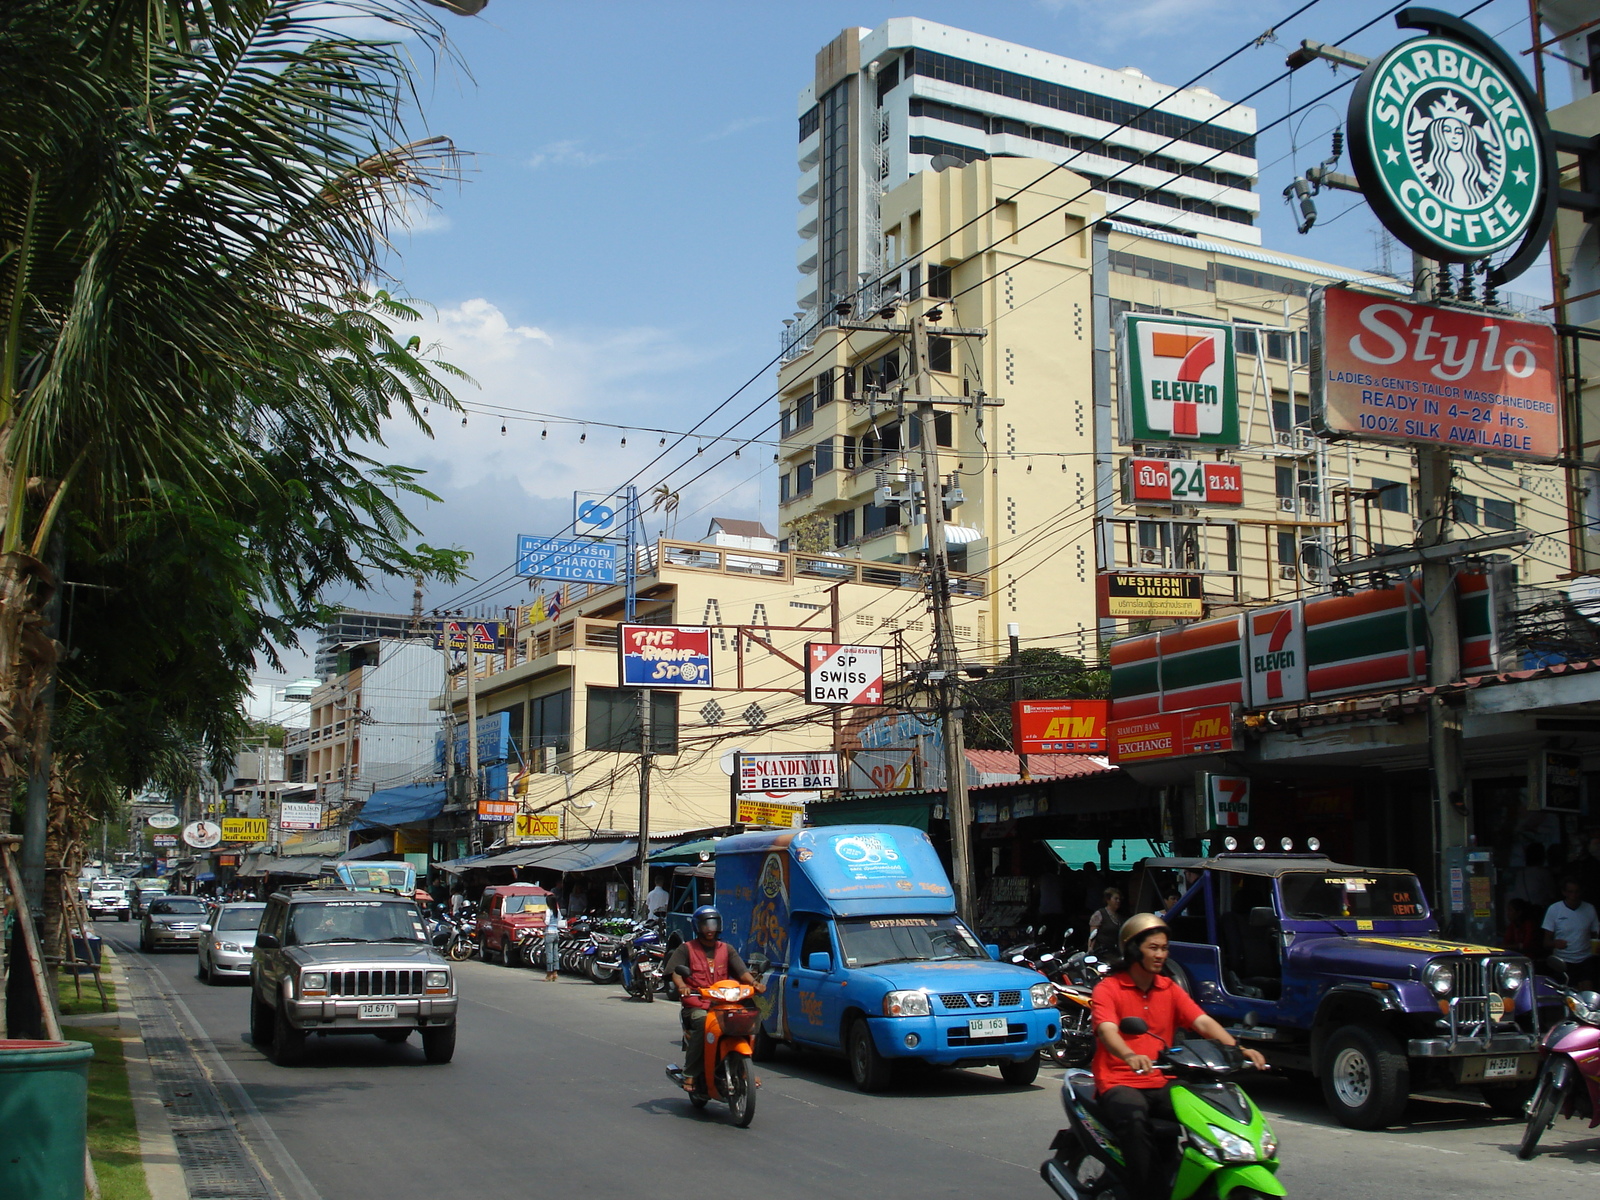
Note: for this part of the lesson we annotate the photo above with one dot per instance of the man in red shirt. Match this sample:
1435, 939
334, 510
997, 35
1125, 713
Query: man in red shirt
1131, 1091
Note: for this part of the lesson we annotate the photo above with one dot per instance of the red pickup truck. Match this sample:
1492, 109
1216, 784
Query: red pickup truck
505, 913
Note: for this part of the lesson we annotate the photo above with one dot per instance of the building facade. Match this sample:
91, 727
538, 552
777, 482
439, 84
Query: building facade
349, 627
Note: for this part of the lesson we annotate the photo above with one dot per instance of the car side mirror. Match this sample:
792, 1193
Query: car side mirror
205, 929
819, 960
1263, 918
1132, 1026
992, 950
267, 941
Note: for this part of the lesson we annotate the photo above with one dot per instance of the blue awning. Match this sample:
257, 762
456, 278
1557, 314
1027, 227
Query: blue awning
375, 849
402, 805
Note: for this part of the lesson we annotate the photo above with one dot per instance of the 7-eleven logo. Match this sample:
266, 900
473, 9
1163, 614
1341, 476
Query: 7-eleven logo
1181, 368
1277, 655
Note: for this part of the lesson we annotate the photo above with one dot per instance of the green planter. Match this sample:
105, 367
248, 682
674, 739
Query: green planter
44, 1099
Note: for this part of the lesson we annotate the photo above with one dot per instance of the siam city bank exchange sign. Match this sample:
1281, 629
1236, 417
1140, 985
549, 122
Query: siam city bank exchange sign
1450, 145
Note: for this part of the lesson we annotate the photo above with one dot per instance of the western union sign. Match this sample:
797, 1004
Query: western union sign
1127, 594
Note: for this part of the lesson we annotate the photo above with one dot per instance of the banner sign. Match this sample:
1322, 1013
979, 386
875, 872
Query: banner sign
244, 829
1173, 735
843, 674
1227, 800
1059, 726
202, 835
1176, 381
496, 810
1277, 655
162, 840
888, 769
1182, 481
665, 656
481, 637
1424, 375
758, 810
494, 741
293, 814
566, 558
225, 860
786, 772
1130, 594
537, 825
162, 820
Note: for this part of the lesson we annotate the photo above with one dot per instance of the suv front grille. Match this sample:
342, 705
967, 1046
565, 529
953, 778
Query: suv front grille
954, 1001
375, 983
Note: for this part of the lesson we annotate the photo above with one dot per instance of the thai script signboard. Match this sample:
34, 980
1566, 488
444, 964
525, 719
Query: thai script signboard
1182, 481
758, 810
244, 829
1132, 594
566, 558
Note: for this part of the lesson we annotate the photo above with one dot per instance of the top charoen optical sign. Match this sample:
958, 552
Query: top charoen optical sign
1450, 145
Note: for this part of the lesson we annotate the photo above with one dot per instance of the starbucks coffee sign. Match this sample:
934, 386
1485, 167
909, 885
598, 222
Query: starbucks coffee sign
1451, 146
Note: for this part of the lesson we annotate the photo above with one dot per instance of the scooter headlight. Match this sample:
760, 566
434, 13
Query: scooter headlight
1231, 1146
1042, 995
1440, 978
1269, 1142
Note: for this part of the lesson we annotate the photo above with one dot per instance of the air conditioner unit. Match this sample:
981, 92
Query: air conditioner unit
1287, 573
1284, 437
1150, 556
544, 759
1285, 504
1313, 574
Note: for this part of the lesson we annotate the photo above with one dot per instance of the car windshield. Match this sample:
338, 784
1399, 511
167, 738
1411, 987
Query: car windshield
108, 885
527, 904
354, 921
240, 918
869, 941
180, 906
1381, 895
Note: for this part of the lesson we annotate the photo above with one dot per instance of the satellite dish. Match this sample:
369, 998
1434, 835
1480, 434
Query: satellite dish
944, 162
727, 761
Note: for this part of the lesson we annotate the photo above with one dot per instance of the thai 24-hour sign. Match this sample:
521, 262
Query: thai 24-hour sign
786, 772
1421, 374
671, 657
1182, 481
1450, 144
1177, 381
1059, 726
843, 674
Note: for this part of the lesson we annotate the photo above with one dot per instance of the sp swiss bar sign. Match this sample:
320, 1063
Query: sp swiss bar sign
1423, 375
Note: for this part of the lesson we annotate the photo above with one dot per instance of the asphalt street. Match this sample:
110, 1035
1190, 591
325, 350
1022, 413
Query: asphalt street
560, 1088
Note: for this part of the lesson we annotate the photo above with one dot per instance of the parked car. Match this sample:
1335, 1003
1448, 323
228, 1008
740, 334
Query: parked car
144, 896
332, 961
1339, 970
228, 941
171, 921
506, 913
108, 897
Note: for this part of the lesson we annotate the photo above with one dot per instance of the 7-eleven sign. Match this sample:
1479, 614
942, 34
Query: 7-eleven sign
843, 674
1277, 655
1227, 801
1177, 380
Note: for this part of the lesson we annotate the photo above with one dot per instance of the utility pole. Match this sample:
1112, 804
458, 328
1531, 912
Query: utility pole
476, 825
646, 736
1013, 634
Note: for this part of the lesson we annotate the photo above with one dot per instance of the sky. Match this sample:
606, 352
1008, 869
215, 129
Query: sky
621, 246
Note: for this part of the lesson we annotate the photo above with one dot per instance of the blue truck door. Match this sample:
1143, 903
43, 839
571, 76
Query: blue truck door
813, 1010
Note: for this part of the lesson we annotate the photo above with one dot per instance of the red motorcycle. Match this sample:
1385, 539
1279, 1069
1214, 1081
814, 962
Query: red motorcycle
727, 1047
1569, 1081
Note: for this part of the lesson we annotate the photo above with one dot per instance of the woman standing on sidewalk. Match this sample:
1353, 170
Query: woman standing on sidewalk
552, 938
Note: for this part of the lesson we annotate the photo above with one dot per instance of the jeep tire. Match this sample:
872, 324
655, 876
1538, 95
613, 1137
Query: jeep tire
439, 1042
1366, 1079
288, 1043
261, 1018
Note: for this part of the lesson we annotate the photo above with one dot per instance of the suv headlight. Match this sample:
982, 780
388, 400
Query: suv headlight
314, 981
1440, 978
437, 979
906, 1004
1509, 976
1042, 995
1232, 1147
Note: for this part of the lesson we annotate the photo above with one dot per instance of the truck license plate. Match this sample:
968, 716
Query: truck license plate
368, 1012
1499, 1066
983, 1027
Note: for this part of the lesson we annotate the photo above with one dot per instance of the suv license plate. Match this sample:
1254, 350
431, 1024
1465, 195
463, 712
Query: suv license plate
982, 1027
368, 1012
1496, 1067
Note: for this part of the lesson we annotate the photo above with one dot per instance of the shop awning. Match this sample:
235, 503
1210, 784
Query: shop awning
957, 535
554, 856
914, 811
375, 849
686, 852
308, 865
1124, 854
402, 805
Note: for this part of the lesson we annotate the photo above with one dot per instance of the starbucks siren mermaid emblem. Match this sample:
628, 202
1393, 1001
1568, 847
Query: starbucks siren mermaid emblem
1455, 150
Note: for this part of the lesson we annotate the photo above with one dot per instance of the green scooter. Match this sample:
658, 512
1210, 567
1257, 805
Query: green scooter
1229, 1152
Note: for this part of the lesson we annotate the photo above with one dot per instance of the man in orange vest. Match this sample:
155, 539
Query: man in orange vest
699, 964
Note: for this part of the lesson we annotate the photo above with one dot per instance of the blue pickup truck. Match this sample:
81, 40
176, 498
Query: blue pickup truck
1340, 970
853, 930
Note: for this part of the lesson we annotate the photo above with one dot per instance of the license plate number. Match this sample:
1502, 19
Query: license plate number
1496, 1067
983, 1027
368, 1012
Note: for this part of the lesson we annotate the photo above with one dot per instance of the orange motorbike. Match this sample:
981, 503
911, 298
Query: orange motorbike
725, 1073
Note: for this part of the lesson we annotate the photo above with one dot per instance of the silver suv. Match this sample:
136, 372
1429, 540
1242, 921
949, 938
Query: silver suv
336, 961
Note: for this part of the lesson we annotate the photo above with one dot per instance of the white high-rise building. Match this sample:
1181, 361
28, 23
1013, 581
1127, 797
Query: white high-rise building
889, 102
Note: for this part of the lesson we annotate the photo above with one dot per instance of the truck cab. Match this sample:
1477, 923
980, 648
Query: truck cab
853, 930
506, 914
1340, 970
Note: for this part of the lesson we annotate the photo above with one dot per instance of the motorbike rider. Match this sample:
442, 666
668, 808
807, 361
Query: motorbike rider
698, 964
1130, 1090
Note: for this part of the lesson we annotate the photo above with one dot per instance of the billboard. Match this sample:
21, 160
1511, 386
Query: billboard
494, 741
1131, 594
497, 810
244, 829
1227, 800
1182, 481
843, 674
537, 825
481, 637
566, 558
1423, 375
1192, 731
674, 657
1176, 381
1059, 726
293, 814
786, 772
1276, 654
758, 810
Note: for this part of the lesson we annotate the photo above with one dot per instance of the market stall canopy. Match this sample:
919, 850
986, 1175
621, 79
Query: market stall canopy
402, 805
1123, 855
686, 852
374, 849
554, 856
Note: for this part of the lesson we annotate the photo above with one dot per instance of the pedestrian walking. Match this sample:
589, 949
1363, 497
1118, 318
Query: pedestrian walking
552, 939
1106, 923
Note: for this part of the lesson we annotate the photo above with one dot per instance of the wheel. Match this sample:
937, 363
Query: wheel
1021, 1074
459, 950
1542, 1111
200, 971
1365, 1077
1507, 1099
288, 1043
738, 1089
533, 955
508, 954
870, 1070
602, 975
764, 1047
144, 943
261, 1018
394, 1037
439, 1042
697, 1101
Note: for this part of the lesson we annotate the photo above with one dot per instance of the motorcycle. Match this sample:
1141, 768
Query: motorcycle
644, 958
1227, 1147
1074, 1045
729, 1041
604, 962
1571, 1051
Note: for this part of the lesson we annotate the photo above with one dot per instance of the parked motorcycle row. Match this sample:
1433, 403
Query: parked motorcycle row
602, 950
1072, 975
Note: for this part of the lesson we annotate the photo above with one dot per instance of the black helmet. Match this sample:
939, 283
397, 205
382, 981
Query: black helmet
708, 914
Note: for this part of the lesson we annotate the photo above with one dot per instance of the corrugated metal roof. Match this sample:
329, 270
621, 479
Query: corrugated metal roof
1040, 766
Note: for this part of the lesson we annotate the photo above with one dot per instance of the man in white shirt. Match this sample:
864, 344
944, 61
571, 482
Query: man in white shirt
657, 901
1571, 929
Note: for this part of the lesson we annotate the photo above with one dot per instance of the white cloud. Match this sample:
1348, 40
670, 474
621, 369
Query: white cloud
567, 153
421, 215
733, 127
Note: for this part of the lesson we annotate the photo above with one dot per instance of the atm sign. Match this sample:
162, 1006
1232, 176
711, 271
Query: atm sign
1059, 726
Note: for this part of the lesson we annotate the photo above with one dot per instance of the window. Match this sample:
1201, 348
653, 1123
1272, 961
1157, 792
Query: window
1464, 509
784, 494
1286, 556
612, 721
1284, 419
550, 720
844, 528
824, 459
944, 429
1155, 269
803, 476
1499, 514
834, 278
808, 121
956, 558
1393, 495
1278, 346
1283, 481
887, 79
882, 442
939, 282
1246, 341
939, 355
876, 518
785, 422
1259, 281
881, 372
849, 376
815, 941
823, 388
802, 412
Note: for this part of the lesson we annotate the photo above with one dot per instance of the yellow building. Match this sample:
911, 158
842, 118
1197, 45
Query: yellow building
1024, 252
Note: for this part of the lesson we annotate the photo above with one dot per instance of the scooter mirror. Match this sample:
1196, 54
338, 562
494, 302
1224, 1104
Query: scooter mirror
1132, 1026
1016, 958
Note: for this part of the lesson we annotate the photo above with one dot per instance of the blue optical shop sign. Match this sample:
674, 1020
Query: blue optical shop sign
566, 558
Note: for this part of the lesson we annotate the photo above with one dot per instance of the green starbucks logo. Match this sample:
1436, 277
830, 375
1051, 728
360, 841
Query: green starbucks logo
1450, 148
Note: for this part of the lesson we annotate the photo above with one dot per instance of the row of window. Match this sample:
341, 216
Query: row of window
852, 453
1205, 279
1074, 100
873, 378
973, 119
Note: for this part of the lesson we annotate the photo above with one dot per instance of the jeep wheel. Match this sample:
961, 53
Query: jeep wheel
288, 1043
261, 1018
870, 1070
1365, 1077
439, 1042
508, 956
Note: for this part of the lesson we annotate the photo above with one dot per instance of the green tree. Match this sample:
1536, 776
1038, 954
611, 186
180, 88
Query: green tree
1046, 675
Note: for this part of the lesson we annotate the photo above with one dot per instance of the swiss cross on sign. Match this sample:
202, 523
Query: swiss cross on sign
843, 674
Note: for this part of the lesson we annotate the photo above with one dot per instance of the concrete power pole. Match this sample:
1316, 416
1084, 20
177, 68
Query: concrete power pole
476, 824
646, 738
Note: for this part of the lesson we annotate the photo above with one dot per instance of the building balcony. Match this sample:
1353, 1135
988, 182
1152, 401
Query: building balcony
806, 225
807, 189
